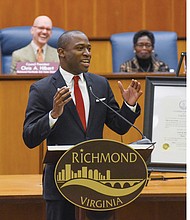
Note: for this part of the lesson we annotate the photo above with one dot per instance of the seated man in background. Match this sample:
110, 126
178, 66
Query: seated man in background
38, 50
144, 59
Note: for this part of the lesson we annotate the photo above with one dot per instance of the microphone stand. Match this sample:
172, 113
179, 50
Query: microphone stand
167, 178
144, 140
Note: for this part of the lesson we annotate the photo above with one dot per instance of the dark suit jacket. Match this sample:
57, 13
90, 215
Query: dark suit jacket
68, 129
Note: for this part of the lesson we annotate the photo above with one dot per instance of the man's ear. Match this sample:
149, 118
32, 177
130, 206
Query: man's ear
61, 52
32, 30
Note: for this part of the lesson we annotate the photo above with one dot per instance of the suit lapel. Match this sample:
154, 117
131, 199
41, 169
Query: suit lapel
30, 53
91, 116
60, 82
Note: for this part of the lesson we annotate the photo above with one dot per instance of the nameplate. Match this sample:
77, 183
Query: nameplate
100, 174
35, 67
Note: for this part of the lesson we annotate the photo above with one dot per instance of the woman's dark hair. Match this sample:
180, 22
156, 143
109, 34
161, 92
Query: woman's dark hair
144, 33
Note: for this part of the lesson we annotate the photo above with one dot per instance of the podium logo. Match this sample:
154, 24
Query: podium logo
101, 175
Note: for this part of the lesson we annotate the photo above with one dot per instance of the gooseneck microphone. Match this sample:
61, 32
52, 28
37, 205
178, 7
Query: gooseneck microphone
144, 139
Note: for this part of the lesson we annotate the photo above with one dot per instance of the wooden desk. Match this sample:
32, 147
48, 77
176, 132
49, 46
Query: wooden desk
14, 91
160, 200
21, 199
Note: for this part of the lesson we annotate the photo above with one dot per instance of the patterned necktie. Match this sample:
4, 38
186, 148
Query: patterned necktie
39, 56
79, 101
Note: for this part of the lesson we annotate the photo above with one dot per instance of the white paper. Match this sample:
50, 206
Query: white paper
169, 125
141, 146
59, 147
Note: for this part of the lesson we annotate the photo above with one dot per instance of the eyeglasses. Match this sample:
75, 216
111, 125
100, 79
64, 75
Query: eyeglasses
144, 45
42, 28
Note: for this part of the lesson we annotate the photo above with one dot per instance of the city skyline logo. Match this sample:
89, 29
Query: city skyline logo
101, 175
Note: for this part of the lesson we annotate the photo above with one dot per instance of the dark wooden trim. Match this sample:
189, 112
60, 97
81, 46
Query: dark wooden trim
108, 38
118, 75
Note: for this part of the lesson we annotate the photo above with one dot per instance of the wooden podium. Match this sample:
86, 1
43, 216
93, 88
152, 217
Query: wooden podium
55, 152
82, 214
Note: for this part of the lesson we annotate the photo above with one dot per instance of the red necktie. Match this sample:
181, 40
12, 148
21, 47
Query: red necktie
39, 55
79, 101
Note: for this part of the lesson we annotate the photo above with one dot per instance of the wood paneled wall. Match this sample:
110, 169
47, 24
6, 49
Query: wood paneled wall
99, 18
15, 157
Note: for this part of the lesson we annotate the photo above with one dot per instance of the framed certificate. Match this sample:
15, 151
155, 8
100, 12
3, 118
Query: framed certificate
165, 122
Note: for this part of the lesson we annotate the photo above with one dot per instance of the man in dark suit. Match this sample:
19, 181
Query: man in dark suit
52, 114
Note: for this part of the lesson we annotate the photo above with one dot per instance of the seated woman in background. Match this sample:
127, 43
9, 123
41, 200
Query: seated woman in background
144, 59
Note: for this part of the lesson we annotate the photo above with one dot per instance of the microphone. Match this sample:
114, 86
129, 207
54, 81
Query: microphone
144, 139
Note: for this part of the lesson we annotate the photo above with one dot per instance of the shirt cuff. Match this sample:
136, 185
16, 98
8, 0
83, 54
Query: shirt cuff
51, 120
133, 108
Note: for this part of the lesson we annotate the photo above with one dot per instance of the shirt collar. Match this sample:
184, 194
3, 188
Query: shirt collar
69, 76
35, 47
